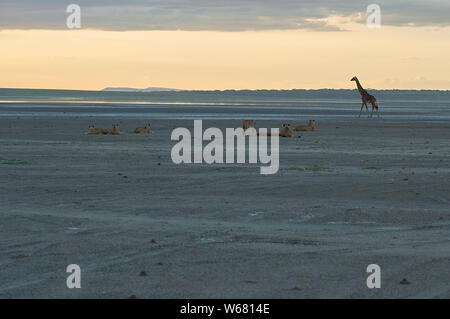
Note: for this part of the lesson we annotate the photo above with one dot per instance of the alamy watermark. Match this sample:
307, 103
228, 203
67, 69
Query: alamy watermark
74, 279
374, 279
374, 16
74, 19
218, 152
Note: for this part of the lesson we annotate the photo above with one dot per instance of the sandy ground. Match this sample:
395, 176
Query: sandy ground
117, 205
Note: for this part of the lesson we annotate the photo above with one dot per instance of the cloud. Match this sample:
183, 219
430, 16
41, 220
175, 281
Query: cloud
223, 15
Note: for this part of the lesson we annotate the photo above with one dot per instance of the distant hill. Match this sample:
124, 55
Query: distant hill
149, 89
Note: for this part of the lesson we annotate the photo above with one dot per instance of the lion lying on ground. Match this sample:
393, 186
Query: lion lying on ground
310, 127
145, 129
94, 130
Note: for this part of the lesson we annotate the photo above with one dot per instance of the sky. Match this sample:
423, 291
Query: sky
225, 44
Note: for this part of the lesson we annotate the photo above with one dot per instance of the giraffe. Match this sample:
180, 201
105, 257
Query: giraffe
366, 97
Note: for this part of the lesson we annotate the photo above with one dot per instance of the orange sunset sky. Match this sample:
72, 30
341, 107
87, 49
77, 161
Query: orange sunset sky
393, 56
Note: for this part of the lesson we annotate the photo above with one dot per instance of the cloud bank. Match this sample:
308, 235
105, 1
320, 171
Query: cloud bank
218, 15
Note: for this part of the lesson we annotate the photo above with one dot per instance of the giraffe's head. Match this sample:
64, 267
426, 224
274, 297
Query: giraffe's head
354, 78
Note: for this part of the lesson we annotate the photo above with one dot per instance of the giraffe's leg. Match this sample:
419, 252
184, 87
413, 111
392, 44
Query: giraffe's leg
367, 109
362, 106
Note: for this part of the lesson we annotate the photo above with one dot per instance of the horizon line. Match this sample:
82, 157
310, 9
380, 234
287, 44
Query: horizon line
173, 90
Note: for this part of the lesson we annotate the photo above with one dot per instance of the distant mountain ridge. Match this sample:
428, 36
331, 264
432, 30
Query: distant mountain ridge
149, 89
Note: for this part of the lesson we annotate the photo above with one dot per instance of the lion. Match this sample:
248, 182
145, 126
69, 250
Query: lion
145, 129
285, 131
246, 124
115, 129
94, 130
310, 127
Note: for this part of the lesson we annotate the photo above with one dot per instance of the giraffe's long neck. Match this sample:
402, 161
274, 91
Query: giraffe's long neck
360, 88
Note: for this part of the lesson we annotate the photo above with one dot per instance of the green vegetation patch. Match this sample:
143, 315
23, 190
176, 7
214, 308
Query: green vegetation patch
13, 162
